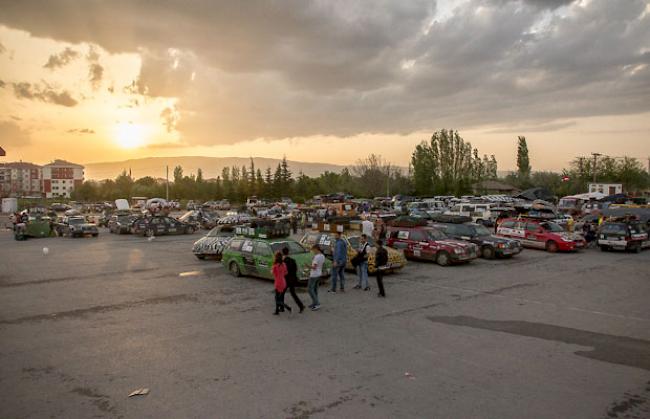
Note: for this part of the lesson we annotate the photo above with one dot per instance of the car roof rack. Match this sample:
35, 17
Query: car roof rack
406, 221
454, 219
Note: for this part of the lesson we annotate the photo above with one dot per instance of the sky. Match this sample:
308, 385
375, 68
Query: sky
323, 81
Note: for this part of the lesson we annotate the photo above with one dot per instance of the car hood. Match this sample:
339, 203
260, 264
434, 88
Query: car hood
457, 243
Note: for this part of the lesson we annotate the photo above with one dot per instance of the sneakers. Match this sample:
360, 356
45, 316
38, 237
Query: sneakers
314, 308
357, 287
332, 291
366, 289
381, 295
276, 313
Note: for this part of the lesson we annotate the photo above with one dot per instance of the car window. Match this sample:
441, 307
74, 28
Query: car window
355, 240
436, 235
262, 249
519, 225
294, 247
481, 230
403, 234
613, 229
531, 227
247, 246
235, 244
418, 235
552, 227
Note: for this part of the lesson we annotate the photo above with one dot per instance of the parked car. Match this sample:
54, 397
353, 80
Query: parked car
254, 257
160, 226
212, 244
428, 243
121, 224
623, 235
540, 234
76, 226
325, 240
490, 246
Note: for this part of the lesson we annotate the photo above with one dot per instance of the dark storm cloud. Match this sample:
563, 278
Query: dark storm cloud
61, 59
294, 68
44, 94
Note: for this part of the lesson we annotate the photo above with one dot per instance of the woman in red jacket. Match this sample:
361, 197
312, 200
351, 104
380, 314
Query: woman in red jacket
279, 272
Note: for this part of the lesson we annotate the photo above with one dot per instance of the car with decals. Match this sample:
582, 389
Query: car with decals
121, 223
428, 243
620, 234
253, 256
490, 246
76, 226
539, 233
212, 244
325, 240
159, 225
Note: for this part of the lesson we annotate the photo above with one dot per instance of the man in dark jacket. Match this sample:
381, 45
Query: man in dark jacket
381, 262
292, 277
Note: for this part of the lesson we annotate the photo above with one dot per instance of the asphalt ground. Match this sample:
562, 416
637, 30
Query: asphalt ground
537, 336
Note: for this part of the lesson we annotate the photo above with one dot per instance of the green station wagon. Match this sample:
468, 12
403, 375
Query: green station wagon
254, 257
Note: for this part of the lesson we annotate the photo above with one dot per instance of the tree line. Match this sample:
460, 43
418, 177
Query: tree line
444, 165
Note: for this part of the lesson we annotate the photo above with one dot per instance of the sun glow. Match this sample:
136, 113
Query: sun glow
130, 135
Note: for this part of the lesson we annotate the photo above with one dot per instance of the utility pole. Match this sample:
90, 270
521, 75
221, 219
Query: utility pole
593, 169
167, 184
388, 180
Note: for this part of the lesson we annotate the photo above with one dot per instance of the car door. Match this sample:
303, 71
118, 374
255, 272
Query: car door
263, 255
535, 236
248, 257
419, 246
157, 225
400, 239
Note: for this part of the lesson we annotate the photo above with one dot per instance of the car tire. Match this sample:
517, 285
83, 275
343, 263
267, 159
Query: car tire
200, 257
96, 235
637, 248
604, 248
149, 233
551, 246
233, 267
442, 258
189, 230
487, 252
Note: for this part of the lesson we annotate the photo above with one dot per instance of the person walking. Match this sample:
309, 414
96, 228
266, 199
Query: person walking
292, 277
339, 260
279, 272
362, 261
381, 261
314, 276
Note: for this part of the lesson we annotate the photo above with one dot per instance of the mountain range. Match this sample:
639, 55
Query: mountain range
211, 166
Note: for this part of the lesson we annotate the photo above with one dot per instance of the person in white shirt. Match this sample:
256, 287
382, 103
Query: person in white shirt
367, 227
314, 276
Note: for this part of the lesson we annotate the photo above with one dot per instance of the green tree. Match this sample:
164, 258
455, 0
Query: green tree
523, 162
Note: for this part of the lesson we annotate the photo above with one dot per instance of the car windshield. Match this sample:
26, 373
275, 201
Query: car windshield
434, 234
76, 221
294, 247
612, 228
125, 218
552, 227
221, 232
481, 230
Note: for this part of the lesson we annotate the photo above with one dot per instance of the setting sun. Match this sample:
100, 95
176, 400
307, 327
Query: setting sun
130, 135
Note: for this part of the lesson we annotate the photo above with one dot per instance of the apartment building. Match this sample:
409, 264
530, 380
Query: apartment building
20, 179
61, 177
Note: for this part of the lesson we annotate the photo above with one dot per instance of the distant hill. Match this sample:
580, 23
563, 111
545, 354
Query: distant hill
211, 166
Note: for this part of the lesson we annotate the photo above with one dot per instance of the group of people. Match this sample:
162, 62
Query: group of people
285, 272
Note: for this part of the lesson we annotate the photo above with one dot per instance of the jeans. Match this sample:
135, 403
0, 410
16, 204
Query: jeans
337, 272
312, 286
279, 301
362, 270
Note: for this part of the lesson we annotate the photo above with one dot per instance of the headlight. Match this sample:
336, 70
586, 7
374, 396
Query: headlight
501, 245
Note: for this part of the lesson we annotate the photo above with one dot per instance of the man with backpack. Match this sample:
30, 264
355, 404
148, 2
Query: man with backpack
381, 261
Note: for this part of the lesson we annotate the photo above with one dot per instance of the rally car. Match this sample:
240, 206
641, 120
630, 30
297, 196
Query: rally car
212, 244
623, 235
76, 226
325, 240
120, 223
540, 234
160, 225
490, 246
428, 243
254, 257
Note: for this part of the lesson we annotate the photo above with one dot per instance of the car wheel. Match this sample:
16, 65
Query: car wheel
234, 269
149, 233
95, 234
551, 246
487, 252
637, 248
442, 259
604, 248
189, 230
200, 257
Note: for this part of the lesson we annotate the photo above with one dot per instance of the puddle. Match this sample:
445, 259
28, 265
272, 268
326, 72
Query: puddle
190, 273
613, 349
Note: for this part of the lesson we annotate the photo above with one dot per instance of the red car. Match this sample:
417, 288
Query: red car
427, 243
540, 234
